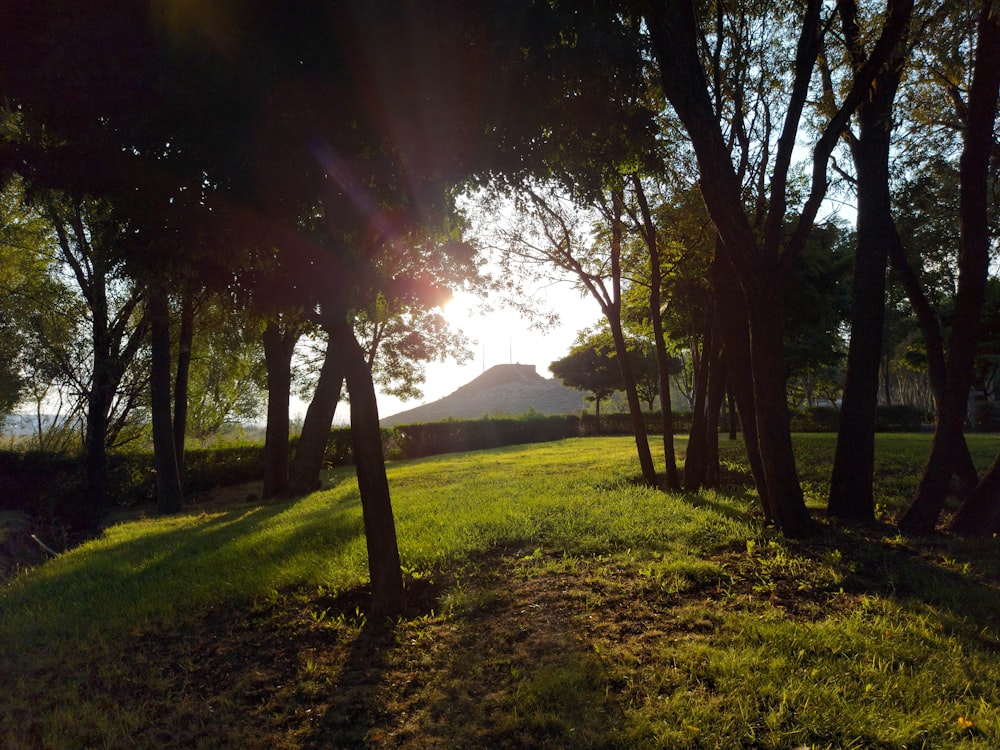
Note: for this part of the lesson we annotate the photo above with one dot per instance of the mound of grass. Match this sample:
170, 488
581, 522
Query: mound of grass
554, 602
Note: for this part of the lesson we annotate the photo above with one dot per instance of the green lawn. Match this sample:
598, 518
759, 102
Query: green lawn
553, 603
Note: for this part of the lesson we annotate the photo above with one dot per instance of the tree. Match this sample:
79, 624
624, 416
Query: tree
228, 379
758, 259
306, 464
590, 366
552, 229
27, 293
973, 264
334, 129
280, 335
649, 234
90, 239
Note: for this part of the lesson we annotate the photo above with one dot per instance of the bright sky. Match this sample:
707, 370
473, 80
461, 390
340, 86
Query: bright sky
502, 337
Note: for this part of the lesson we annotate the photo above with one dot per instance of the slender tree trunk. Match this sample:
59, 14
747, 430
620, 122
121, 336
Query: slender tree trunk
304, 472
927, 319
731, 413
278, 349
366, 437
103, 386
973, 268
181, 379
980, 513
716, 395
168, 486
851, 495
613, 314
634, 405
695, 460
99, 400
659, 341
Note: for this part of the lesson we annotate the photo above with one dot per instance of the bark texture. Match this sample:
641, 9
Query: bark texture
307, 463
851, 495
366, 438
168, 485
279, 345
922, 515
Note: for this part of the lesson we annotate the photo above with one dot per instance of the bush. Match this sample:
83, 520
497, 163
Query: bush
45, 485
206, 468
900, 418
620, 423
816, 419
987, 416
418, 440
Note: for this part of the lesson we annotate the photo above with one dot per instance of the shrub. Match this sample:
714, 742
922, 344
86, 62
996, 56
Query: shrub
816, 419
418, 440
900, 418
987, 416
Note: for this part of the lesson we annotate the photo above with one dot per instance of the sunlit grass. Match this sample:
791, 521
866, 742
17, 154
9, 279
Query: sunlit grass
577, 608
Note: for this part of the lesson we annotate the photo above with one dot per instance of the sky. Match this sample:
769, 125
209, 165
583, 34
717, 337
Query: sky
502, 337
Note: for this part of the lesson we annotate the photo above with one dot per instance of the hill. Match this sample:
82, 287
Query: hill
503, 390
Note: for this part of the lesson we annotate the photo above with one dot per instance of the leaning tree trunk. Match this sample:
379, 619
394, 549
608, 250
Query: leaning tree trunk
613, 313
980, 513
306, 465
973, 268
278, 349
168, 486
634, 404
366, 439
965, 469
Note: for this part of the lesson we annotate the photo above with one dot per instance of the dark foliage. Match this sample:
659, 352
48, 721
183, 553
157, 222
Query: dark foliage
415, 441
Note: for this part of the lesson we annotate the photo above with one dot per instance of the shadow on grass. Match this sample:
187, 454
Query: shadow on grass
507, 668
169, 571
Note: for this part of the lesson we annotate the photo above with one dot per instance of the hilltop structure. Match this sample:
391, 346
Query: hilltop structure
501, 391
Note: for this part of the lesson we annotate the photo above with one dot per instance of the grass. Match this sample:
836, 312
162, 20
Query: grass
553, 603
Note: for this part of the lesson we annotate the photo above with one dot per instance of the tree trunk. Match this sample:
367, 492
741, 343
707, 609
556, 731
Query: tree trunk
634, 404
716, 395
673, 481
980, 513
696, 455
851, 496
965, 470
730, 413
185, 340
767, 361
168, 486
304, 471
99, 400
366, 438
103, 386
613, 314
733, 316
973, 268
278, 349
674, 31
